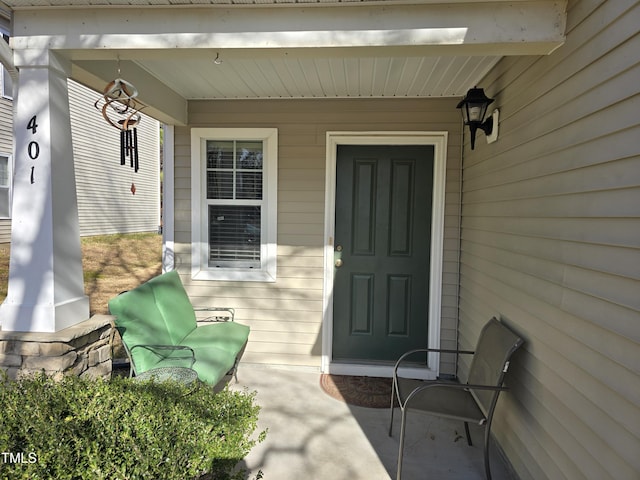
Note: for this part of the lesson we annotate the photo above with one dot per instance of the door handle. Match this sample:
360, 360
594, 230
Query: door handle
338, 256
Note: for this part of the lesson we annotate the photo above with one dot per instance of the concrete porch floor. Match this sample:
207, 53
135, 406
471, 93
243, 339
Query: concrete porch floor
313, 436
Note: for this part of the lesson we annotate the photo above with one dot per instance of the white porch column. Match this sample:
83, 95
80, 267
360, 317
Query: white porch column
46, 290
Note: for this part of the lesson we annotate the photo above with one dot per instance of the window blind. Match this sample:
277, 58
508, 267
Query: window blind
234, 235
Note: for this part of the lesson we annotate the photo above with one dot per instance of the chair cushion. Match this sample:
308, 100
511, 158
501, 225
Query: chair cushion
174, 305
228, 336
139, 321
157, 312
212, 363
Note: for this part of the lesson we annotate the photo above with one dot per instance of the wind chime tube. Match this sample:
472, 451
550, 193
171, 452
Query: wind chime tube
123, 147
135, 149
130, 148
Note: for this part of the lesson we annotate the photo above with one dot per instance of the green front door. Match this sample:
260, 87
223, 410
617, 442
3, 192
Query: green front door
382, 251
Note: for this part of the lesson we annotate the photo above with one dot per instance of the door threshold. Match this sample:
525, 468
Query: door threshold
380, 370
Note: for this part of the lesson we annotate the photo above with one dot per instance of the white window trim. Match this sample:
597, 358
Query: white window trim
8, 187
200, 269
4, 72
8, 95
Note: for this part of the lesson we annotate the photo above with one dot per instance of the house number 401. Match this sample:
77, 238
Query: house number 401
33, 150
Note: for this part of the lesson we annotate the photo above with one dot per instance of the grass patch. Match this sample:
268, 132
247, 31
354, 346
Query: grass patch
115, 263
4, 269
111, 264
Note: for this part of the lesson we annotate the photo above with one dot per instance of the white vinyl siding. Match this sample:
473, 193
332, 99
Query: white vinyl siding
550, 243
105, 202
286, 316
6, 146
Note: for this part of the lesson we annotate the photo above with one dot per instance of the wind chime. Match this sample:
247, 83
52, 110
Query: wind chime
121, 110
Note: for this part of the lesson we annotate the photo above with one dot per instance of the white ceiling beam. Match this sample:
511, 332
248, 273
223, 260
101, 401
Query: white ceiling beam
161, 102
532, 27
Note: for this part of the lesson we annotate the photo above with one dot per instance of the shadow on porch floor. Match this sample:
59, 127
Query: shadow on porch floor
313, 436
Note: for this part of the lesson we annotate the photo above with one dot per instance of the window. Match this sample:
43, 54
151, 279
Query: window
234, 189
5, 186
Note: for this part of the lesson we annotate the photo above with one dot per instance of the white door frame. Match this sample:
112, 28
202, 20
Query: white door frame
439, 142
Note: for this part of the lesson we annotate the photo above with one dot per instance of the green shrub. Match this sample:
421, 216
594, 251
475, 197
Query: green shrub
120, 429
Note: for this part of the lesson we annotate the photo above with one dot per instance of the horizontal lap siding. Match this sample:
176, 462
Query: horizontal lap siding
6, 148
5, 230
6, 126
551, 244
105, 202
286, 316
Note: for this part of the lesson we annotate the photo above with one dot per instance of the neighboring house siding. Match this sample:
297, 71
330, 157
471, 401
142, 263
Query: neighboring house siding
6, 126
6, 148
551, 244
286, 316
5, 230
105, 202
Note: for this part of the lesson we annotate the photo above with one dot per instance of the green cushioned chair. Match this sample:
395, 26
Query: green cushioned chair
158, 327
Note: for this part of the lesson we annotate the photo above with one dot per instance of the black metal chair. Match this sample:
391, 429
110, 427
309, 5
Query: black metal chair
474, 401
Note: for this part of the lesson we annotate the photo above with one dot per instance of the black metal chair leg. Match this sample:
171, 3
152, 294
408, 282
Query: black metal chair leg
466, 430
393, 392
401, 448
487, 466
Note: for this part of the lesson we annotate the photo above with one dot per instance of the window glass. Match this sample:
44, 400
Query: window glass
234, 235
4, 171
234, 170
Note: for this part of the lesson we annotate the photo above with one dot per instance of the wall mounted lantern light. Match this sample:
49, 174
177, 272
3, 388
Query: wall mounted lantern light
474, 109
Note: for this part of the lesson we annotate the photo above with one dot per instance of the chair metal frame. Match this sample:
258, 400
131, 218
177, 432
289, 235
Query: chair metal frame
490, 363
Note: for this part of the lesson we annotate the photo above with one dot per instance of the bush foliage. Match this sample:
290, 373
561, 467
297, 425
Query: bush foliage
120, 429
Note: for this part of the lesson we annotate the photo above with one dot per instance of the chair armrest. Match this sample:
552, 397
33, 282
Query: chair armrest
463, 386
170, 348
439, 350
231, 313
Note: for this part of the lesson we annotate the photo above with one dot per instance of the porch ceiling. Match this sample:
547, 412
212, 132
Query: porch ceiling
333, 49
295, 74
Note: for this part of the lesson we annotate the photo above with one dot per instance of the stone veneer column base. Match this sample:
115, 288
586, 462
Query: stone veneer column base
83, 350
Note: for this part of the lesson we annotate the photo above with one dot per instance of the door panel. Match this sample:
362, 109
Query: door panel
383, 231
362, 304
400, 220
364, 207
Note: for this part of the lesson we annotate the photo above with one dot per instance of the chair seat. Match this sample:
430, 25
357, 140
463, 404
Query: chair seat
227, 336
442, 401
